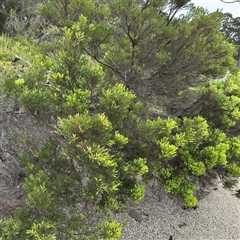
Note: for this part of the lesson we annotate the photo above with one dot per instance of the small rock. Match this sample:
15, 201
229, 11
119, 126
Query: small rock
134, 214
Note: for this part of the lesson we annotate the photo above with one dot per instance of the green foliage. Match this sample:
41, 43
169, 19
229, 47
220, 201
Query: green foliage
145, 45
222, 101
38, 188
230, 27
110, 230
10, 229
105, 146
42, 231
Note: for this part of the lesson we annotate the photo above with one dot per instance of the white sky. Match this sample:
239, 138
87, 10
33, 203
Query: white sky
213, 5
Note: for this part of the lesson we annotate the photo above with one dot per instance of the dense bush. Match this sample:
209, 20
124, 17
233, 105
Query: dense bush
105, 145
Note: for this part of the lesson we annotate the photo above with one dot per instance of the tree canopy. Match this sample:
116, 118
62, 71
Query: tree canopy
231, 28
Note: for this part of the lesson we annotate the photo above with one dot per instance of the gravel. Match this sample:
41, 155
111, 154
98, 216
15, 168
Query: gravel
216, 217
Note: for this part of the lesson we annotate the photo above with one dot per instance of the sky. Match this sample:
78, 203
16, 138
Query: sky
213, 5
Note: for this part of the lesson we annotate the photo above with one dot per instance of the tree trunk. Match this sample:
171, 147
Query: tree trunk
238, 58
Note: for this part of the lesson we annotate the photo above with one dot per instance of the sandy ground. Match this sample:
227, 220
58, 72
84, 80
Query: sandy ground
217, 217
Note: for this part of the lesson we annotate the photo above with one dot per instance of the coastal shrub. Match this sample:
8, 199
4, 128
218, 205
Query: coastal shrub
104, 146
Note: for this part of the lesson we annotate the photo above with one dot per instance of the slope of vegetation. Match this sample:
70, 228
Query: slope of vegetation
89, 83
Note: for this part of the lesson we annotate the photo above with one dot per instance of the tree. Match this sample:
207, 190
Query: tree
230, 27
232, 31
144, 45
95, 157
105, 146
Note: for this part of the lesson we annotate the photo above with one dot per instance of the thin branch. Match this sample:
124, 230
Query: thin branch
105, 55
145, 5
114, 68
230, 2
